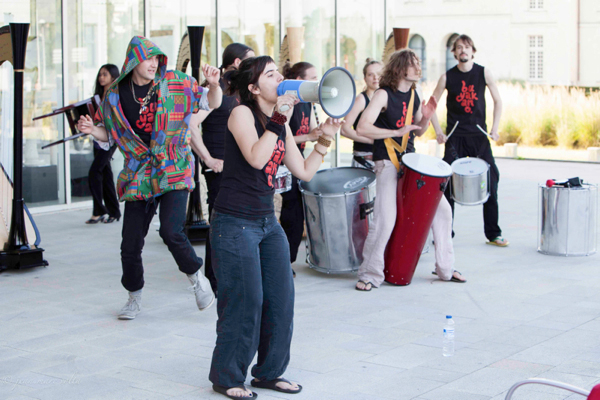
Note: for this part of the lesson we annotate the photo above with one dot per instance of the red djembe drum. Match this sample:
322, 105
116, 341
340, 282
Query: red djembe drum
420, 189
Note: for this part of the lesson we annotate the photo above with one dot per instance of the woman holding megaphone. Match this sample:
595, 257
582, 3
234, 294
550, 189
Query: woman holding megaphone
250, 251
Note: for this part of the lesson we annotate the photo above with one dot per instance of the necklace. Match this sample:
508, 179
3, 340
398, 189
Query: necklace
145, 100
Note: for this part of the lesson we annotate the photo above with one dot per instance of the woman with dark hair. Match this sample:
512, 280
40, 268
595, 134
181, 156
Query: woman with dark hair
249, 249
212, 141
362, 148
100, 176
304, 128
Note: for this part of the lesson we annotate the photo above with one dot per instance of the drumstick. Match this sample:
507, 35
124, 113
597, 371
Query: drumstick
484, 132
452, 131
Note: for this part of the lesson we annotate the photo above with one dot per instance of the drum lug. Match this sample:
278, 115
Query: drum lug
420, 183
400, 173
443, 185
366, 209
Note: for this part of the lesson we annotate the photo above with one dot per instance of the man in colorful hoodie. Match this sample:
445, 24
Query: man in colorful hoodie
146, 112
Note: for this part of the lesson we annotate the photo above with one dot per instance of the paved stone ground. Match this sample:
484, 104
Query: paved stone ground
521, 315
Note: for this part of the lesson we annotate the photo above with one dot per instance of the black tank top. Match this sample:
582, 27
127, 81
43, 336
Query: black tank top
247, 192
394, 118
466, 100
215, 125
300, 121
358, 146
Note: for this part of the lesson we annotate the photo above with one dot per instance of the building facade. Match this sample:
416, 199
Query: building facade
541, 41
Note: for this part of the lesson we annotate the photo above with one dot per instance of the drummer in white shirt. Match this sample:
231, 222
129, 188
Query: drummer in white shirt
385, 118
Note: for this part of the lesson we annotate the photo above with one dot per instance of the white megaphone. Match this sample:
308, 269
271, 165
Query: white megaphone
335, 93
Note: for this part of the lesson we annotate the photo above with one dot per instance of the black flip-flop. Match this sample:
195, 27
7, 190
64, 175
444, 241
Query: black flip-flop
272, 385
365, 289
453, 279
223, 390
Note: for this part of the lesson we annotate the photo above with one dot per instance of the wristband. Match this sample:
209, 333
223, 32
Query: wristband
324, 142
278, 118
276, 128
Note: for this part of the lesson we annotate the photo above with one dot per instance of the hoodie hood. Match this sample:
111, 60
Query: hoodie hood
141, 49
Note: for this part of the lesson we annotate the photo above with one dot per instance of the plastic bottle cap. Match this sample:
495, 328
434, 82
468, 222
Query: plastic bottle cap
448, 316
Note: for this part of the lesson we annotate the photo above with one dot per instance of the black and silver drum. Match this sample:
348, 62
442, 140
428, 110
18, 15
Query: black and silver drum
338, 203
470, 181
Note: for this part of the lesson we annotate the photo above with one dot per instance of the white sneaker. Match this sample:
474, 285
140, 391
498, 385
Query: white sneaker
133, 306
201, 288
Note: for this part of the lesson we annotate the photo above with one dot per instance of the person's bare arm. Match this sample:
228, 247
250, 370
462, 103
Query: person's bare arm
348, 125
491, 83
198, 144
437, 93
86, 125
425, 112
305, 169
215, 94
366, 125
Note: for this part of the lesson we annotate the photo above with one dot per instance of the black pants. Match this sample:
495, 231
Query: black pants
136, 221
102, 184
477, 146
213, 184
256, 299
292, 218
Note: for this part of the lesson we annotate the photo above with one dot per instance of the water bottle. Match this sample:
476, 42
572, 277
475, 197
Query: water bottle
448, 349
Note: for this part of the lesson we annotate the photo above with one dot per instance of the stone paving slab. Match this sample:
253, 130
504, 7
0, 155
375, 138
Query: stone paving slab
520, 315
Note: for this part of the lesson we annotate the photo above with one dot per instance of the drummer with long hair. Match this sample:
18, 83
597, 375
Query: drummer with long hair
385, 117
362, 149
250, 251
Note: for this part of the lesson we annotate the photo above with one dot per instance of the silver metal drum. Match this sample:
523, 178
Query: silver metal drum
568, 220
470, 181
338, 204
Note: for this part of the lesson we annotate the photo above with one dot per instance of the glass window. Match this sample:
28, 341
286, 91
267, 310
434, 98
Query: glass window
169, 21
450, 60
417, 43
43, 170
98, 33
251, 22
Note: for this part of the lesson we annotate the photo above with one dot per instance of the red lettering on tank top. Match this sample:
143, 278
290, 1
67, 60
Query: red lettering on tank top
467, 97
275, 161
401, 121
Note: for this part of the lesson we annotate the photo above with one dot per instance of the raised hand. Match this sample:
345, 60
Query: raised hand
429, 108
211, 74
330, 127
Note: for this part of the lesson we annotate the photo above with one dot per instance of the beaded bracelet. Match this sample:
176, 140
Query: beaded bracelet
324, 142
323, 154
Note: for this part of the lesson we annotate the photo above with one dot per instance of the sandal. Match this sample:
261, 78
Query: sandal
453, 279
367, 288
223, 390
499, 241
95, 220
272, 385
110, 220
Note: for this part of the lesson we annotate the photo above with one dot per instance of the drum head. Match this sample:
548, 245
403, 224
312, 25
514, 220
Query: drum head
338, 180
427, 165
469, 166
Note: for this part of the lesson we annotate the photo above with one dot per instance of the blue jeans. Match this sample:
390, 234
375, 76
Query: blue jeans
255, 306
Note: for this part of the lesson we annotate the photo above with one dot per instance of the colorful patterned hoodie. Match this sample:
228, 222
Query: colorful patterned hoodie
168, 163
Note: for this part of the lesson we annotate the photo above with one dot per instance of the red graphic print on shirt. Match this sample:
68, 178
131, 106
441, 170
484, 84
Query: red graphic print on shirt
275, 161
401, 121
146, 118
304, 129
467, 97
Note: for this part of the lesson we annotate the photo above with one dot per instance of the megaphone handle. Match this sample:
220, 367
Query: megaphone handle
284, 108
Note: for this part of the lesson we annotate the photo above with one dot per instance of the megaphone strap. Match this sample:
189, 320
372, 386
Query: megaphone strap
391, 145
